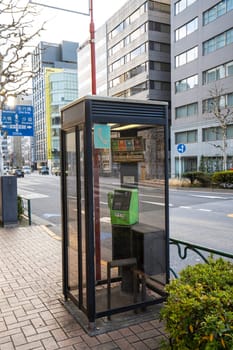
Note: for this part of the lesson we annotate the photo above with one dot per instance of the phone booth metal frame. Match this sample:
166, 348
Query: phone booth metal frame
112, 147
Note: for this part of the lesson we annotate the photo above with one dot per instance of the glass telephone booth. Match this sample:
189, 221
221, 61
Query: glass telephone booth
115, 238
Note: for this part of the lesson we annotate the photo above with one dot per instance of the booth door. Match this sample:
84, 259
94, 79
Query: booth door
75, 222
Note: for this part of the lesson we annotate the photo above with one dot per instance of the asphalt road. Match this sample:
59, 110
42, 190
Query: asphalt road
200, 216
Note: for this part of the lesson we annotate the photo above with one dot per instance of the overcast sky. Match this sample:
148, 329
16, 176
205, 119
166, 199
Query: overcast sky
75, 27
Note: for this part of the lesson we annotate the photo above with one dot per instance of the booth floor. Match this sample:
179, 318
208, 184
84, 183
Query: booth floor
32, 315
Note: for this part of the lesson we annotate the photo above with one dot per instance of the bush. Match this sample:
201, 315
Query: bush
203, 178
20, 208
223, 177
199, 309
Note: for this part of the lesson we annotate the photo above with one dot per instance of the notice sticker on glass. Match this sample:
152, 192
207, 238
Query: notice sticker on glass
102, 135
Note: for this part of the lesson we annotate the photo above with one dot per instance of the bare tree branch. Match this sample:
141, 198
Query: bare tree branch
223, 116
18, 29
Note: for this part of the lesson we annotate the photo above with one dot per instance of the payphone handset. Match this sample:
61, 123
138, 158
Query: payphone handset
123, 205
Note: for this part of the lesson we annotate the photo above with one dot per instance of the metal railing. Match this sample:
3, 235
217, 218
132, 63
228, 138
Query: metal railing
27, 209
184, 247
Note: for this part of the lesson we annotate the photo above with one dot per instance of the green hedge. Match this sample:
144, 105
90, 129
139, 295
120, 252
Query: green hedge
203, 178
221, 177
199, 310
20, 208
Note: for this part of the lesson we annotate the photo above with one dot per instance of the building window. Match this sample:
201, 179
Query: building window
160, 47
186, 29
160, 85
216, 11
136, 34
138, 88
135, 71
218, 42
212, 134
186, 57
159, 27
133, 90
182, 4
118, 29
230, 131
160, 66
189, 136
128, 75
219, 72
185, 111
135, 53
137, 14
223, 101
133, 36
186, 84
158, 6
116, 64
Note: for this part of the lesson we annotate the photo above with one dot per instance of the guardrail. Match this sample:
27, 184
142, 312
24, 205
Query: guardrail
183, 248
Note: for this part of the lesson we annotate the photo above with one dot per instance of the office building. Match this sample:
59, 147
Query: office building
201, 75
54, 85
132, 53
132, 60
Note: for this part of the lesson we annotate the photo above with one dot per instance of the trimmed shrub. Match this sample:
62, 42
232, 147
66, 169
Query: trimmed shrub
199, 310
223, 177
203, 178
20, 208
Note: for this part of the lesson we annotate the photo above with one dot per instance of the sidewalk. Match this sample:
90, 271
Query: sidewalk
31, 315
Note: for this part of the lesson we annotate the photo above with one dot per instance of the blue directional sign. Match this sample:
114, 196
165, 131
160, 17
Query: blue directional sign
18, 121
181, 148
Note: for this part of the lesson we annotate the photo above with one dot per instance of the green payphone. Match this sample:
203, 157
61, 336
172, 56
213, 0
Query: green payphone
124, 212
123, 204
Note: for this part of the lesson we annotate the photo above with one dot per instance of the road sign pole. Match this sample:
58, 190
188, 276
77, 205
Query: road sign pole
179, 166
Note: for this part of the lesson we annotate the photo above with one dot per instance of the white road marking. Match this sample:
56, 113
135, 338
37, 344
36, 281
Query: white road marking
151, 196
46, 215
205, 210
154, 203
209, 197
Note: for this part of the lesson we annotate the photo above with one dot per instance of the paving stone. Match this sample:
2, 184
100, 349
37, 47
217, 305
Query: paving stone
31, 315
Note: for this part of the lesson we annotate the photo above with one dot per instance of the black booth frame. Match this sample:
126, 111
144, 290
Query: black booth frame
80, 115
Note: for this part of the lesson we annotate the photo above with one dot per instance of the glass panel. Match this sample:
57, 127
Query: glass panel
230, 100
192, 26
211, 75
182, 59
131, 203
192, 109
181, 137
82, 232
192, 54
212, 14
229, 38
229, 5
230, 131
181, 33
72, 214
220, 41
229, 68
221, 8
220, 72
192, 136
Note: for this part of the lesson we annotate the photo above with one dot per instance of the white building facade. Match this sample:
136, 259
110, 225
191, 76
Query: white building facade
201, 69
